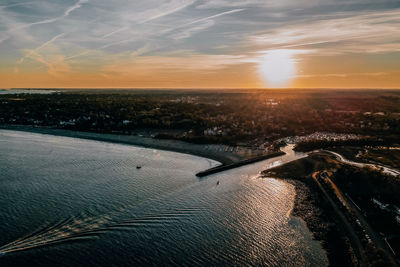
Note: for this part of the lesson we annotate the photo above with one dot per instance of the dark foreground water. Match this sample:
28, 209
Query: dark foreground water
73, 202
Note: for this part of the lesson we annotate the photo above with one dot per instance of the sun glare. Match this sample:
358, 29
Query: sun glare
278, 67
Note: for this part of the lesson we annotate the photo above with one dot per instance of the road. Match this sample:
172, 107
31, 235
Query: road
354, 239
370, 234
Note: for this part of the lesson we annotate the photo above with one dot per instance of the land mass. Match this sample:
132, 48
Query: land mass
252, 118
335, 201
354, 211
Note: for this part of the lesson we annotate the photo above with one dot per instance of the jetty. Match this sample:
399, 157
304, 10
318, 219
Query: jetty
225, 167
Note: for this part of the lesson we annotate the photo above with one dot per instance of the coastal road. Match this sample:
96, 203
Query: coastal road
354, 239
370, 234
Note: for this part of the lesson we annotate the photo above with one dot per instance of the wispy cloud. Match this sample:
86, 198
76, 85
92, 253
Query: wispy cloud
175, 34
211, 4
170, 8
115, 31
51, 20
344, 75
54, 68
76, 6
16, 4
36, 50
371, 32
190, 63
212, 17
186, 30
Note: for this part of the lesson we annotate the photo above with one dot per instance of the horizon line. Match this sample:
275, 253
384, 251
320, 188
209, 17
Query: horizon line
200, 88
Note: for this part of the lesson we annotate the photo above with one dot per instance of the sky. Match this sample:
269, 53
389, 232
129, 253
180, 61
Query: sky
200, 43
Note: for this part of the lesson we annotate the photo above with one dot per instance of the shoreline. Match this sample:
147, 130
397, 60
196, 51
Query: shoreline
223, 157
310, 206
304, 205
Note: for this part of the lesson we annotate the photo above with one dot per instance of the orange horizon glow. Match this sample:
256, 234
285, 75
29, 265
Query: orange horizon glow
268, 69
188, 44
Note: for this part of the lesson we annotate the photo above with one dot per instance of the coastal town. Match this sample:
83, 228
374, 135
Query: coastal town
236, 118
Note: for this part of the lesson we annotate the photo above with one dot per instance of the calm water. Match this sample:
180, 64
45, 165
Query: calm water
73, 202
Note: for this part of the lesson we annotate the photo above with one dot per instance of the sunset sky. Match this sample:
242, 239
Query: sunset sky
200, 43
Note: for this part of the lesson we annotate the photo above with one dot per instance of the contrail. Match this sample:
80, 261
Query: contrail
40, 47
168, 12
212, 17
50, 41
114, 32
174, 28
46, 21
76, 6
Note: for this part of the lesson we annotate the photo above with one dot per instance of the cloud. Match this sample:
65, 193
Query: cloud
189, 63
334, 5
211, 4
36, 50
100, 33
16, 4
115, 31
51, 20
344, 75
76, 6
186, 33
199, 25
169, 8
178, 32
55, 63
212, 17
369, 33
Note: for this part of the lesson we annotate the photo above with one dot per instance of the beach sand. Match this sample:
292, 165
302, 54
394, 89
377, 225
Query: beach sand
220, 155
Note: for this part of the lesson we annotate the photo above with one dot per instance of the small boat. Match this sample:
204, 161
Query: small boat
138, 167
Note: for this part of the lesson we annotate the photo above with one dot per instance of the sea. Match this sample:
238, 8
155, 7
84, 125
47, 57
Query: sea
74, 202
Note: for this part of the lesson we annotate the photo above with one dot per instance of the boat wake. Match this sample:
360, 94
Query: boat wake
80, 230
67, 230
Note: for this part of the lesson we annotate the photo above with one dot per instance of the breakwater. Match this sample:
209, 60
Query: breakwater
238, 164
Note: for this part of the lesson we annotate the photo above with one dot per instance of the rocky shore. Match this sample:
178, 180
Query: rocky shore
315, 211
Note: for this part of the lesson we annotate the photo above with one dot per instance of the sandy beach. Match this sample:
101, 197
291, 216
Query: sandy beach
220, 155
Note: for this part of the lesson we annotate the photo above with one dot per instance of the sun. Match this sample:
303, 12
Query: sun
277, 67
